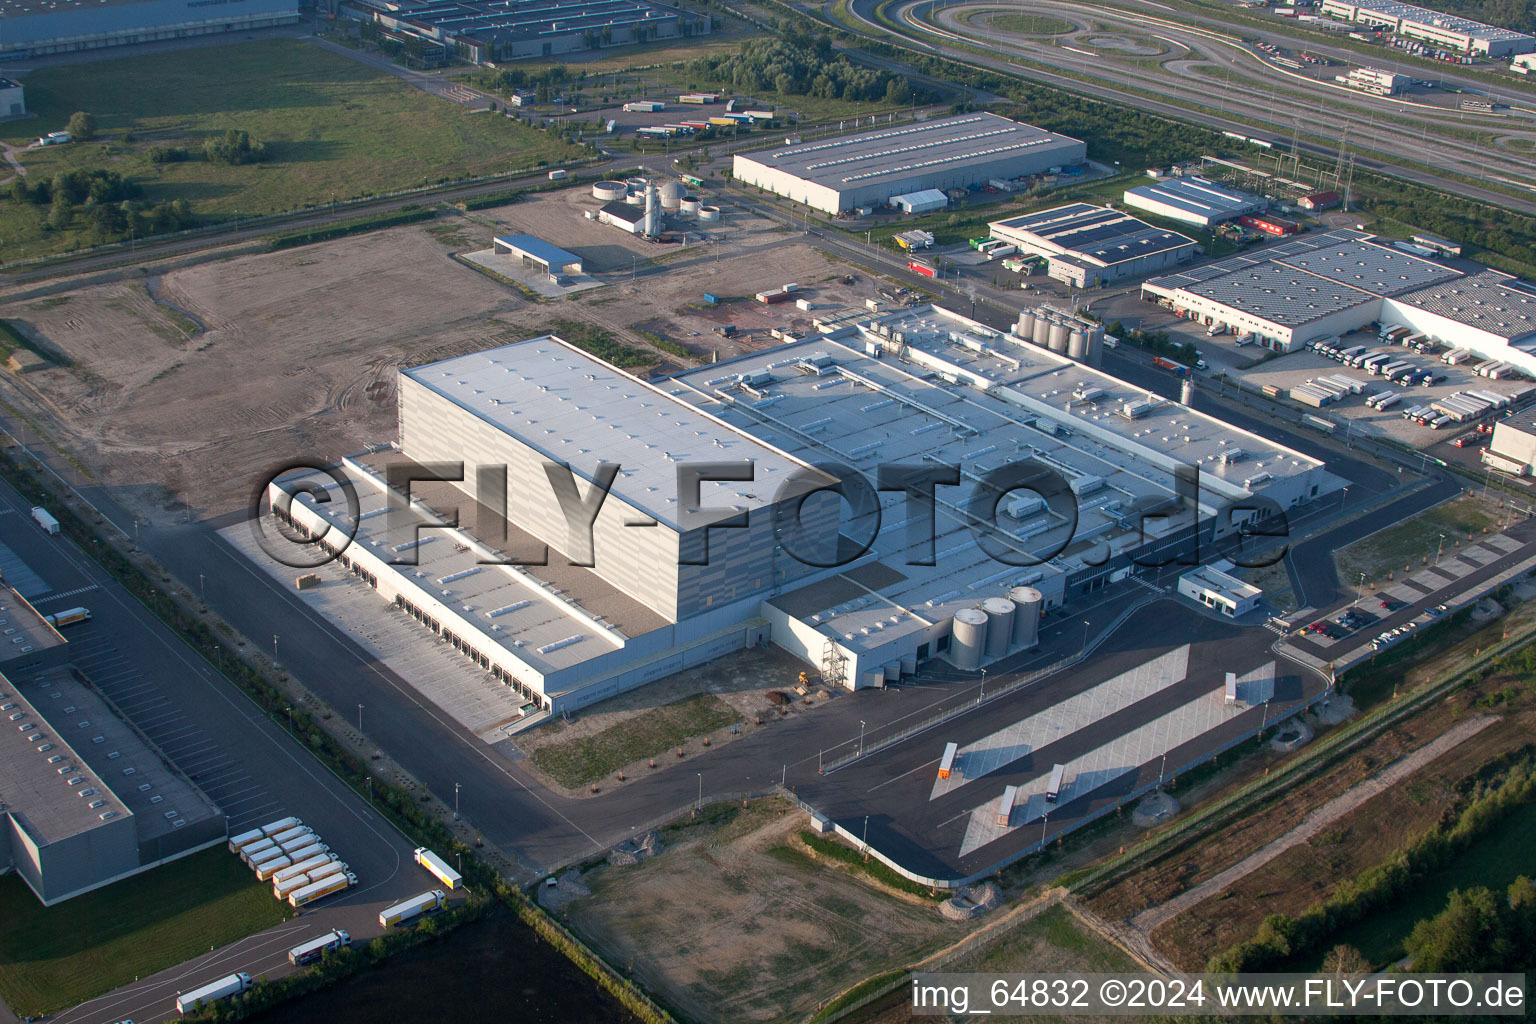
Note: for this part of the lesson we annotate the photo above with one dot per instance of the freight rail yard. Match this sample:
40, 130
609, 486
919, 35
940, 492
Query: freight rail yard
1281, 90
645, 496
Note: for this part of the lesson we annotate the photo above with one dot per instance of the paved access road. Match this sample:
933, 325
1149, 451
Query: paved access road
242, 757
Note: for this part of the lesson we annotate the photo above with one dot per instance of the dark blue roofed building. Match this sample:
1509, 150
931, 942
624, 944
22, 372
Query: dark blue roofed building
33, 28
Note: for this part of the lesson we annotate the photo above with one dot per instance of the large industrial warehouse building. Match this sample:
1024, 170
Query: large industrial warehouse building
1436, 27
34, 28
868, 168
918, 385
85, 798
1193, 201
482, 31
1339, 281
1087, 245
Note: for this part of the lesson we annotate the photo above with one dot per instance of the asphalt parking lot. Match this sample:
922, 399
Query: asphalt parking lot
244, 759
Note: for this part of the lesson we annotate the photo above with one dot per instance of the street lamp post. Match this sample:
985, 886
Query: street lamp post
983, 685
699, 803
1440, 549
289, 709
359, 718
274, 650
861, 736
370, 790
455, 801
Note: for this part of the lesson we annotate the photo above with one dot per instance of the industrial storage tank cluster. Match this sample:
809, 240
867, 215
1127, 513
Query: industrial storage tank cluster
1000, 625
1063, 334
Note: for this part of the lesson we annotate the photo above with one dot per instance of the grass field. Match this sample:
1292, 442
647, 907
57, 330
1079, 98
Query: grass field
1493, 861
53, 957
579, 761
1030, 24
1413, 541
333, 129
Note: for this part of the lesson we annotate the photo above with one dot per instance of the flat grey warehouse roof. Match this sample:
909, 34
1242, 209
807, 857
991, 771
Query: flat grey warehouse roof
577, 409
895, 154
1488, 300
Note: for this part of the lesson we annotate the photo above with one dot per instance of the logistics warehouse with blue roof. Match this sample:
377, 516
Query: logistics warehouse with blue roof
34, 28
840, 174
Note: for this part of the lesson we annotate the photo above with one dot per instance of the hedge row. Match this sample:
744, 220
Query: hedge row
1496, 791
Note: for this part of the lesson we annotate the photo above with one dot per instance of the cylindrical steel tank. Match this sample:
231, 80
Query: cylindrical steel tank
671, 195
635, 184
1041, 335
709, 213
1186, 392
1027, 602
1026, 326
608, 191
1058, 336
689, 205
969, 638
1095, 346
1077, 344
635, 198
999, 625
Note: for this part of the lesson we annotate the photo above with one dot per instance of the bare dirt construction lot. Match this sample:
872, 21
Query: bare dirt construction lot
181, 382
732, 923
727, 699
1054, 941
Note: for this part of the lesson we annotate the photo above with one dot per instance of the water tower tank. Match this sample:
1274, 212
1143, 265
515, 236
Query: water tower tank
970, 638
1077, 344
1027, 602
1042, 332
1059, 334
999, 625
1026, 325
672, 195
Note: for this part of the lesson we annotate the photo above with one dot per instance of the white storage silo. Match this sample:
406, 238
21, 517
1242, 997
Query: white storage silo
689, 207
999, 625
969, 638
1058, 338
1027, 602
1186, 392
1025, 328
608, 191
672, 195
1095, 346
1041, 335
709, 213
1077, 344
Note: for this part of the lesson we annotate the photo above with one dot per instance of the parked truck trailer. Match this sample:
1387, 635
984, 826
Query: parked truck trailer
230, 985
411, 909
321, 889
438, 868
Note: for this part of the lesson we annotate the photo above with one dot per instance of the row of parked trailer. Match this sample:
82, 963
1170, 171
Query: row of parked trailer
289, 854
1320, 391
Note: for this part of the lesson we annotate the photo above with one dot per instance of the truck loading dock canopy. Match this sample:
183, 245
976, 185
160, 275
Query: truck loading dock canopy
554, 259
